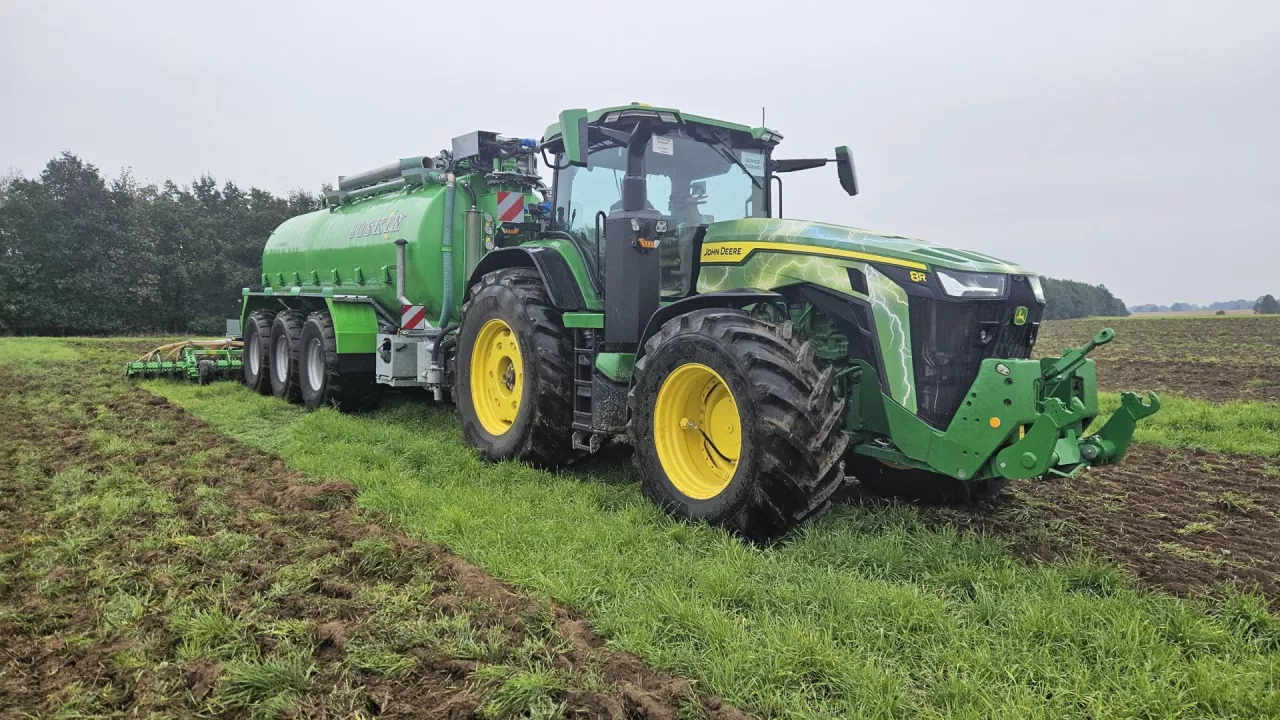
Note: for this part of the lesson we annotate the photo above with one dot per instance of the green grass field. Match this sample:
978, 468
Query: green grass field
1247, 428
869, 613
876, 610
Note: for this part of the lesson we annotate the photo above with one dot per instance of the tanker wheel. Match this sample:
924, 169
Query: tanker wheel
286, 347
257, 342
918, 485
322, 381
514, 371
735, 424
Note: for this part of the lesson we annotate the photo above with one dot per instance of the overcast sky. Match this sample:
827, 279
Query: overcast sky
1132, 144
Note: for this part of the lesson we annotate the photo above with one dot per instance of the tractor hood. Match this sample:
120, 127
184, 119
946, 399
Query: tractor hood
774, 234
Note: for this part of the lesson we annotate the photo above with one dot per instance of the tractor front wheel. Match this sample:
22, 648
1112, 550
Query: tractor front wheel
514, 371
257, 345
321, 381
736, 424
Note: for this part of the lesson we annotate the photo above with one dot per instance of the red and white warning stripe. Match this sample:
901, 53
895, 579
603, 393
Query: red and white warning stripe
510, 206
413, 317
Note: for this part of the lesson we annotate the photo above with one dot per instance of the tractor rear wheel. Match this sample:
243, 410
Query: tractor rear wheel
321, 381
286, 345
736, 424
257, 344
514, 371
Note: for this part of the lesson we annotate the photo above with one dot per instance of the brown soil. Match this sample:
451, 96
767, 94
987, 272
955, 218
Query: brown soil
1183, 521
44, 654
1216, 359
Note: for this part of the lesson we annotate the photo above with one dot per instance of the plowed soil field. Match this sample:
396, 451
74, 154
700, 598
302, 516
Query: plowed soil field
1233, 357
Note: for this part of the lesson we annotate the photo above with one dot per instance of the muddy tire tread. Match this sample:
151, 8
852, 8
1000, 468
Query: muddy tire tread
799, 421
548, 443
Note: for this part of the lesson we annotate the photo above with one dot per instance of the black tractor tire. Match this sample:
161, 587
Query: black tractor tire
917, 485
207, 372
257, 351
542, 429
286, 347
320, 380
791, 422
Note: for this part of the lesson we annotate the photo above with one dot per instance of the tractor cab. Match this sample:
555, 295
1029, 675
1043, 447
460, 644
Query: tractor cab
636, 188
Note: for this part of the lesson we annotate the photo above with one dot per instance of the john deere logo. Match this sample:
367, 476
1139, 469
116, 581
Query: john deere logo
1020, 315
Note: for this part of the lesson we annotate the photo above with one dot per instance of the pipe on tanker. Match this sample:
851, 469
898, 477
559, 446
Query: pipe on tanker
446, 249
379, 189
472, 248
390, 171
404, 301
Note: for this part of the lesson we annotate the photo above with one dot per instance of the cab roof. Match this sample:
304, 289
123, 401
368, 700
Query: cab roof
618, 113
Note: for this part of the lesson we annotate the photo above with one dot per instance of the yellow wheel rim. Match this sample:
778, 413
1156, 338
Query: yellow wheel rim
497, 377
697, 431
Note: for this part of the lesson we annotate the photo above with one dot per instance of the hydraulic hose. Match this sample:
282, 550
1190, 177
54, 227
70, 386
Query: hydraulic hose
446, 249
171, 350
467, 186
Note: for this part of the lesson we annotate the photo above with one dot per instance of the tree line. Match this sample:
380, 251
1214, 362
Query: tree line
1072, 299
83, 254
1241, 304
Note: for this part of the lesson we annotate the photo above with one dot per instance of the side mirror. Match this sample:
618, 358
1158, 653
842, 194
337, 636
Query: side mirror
844, 165
573, 131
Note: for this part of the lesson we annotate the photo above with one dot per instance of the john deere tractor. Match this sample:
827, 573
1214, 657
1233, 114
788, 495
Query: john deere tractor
653, 293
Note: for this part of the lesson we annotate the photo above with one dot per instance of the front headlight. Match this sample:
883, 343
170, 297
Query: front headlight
1036, 287
972, 285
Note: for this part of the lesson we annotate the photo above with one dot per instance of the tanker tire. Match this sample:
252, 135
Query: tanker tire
347, 392
286, 347
790, 419
257, 333
542, 430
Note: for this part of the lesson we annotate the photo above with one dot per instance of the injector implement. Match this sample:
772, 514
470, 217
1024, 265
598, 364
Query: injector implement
201, 360
652, 293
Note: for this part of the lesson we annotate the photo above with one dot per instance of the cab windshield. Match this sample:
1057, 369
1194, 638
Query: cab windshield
693, 181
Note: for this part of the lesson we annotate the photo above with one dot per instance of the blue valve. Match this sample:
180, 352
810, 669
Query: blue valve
527, 143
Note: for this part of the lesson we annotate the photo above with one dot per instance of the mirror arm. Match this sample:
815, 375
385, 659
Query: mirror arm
797, 164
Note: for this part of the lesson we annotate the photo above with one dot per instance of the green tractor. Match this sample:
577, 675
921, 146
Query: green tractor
653, 293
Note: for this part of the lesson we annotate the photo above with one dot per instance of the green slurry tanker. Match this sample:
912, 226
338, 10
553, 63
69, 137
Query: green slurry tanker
653, 293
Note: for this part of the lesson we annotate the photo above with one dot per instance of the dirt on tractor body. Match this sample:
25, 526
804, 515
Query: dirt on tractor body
1209, 358
149, 564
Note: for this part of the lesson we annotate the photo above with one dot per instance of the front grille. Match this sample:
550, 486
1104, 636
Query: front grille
951, 338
